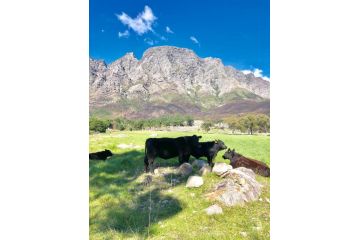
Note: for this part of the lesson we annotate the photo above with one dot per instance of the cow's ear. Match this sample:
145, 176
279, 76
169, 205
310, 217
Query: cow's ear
199, 136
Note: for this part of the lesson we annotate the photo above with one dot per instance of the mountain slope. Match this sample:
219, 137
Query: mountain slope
170, 80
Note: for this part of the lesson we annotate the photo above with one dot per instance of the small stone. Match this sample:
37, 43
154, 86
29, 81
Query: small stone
243, 234
267, 200
156, 171
185, 169
220, 168
214, 209
260, 199
205, 170
194, 181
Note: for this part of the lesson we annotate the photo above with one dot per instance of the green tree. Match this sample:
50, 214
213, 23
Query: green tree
99, 125
206, 126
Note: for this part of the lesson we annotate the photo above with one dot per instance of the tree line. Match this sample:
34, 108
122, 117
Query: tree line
100, 125
247, 123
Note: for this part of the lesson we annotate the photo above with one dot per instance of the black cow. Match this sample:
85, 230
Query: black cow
103, 155
209, 150
168, 148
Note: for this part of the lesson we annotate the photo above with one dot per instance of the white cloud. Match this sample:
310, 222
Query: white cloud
142, 23
125, 34
168, 30
194, 40
149, 41
257, 73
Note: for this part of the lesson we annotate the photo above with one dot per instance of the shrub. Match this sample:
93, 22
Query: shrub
206, 126
99, 125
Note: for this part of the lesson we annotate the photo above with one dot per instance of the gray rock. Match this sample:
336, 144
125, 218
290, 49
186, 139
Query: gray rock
205, 170
199, 163
214, 209
185, 169
194, 181
237, 188
220, 168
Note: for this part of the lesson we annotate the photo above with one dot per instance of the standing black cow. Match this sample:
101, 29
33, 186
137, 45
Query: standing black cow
103, 155
168, 148
209, 150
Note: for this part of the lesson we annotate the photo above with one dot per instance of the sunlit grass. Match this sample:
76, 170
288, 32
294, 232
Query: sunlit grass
119, 203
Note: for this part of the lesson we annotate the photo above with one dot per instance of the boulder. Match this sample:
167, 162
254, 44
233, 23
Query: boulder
199, 163
194, 181
205, 170
220, 168
185, 169
214, 209
238, 187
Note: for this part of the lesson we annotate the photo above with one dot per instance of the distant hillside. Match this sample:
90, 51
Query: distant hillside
171, 80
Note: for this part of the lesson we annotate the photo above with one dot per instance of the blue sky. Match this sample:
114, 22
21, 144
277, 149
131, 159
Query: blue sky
237, 31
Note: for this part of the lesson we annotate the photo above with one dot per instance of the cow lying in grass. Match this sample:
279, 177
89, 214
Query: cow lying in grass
102, 155
168, 148
238, 160
209, 150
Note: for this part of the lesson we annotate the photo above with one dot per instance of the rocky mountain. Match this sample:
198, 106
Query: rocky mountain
170, 80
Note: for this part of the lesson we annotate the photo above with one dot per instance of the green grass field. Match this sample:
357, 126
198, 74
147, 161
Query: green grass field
119, 203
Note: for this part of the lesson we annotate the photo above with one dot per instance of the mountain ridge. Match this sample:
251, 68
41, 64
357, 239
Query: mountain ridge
166, 75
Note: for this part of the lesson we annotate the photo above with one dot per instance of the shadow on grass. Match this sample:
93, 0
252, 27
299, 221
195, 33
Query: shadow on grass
123, 204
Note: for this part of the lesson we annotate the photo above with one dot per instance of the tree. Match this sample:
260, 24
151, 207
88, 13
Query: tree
99, 125
263, 123
250, 122
206, 126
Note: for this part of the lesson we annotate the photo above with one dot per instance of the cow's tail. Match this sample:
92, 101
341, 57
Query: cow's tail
145, 160
146, 143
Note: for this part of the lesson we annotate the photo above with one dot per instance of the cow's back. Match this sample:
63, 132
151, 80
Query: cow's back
257, 166
161, 147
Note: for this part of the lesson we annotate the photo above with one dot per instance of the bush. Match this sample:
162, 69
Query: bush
206, 126
99, 125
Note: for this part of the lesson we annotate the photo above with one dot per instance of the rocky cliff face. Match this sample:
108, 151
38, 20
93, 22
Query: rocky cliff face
167, 73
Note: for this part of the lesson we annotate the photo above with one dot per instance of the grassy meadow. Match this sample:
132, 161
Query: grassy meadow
122, 208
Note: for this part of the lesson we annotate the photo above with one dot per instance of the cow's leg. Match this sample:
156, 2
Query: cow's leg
209, 159
186, 158
146, 163
180, 159
151, 160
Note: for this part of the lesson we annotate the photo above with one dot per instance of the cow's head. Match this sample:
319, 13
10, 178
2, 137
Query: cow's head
220, 145
229, 154
194, 141
108, 153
